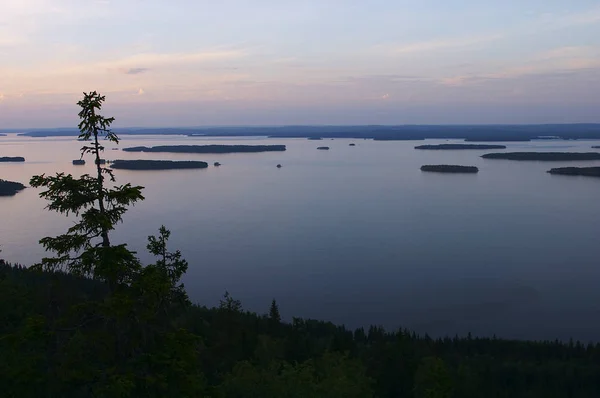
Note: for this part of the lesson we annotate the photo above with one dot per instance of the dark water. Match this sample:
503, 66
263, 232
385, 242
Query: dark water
357, 235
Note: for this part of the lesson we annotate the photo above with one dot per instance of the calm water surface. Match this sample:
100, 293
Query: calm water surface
356, 235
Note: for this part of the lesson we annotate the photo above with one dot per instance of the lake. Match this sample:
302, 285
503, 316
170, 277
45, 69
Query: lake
356, 235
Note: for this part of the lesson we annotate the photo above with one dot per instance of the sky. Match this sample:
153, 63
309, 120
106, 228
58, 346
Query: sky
278, 62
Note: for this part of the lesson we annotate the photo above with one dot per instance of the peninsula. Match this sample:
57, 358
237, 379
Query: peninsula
446, 168
10, 188
157, 165
460, 146
207, 148
576, 171
544, 156
12, 159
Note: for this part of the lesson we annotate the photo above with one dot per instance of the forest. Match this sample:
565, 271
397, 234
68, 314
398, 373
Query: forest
90, 320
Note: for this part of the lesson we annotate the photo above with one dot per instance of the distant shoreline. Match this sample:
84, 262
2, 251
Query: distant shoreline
469, 133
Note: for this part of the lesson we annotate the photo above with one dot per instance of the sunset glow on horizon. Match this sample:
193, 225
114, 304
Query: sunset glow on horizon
192, 63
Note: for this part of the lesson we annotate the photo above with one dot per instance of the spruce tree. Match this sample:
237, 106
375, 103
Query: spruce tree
85, 249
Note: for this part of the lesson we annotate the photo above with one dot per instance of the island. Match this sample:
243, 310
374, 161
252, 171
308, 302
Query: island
12, 159
460, 146
315, 138
208, 148
323, 148
157, 164
78, 162
544, 156
10, 188
576, 171
352, 144
217, 164
446, 168
596, 146
278, 166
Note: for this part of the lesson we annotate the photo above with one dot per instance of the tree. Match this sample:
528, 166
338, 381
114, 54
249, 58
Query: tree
274, 312
85, 249
432, 379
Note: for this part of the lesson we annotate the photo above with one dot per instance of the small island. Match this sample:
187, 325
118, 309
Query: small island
207, 148
216, 164
10, 188
12, 159
78, 162
544, 156
157, 164
323, 148
352, 144
315, 138
460, 146
576, 171
596, 146
278, 166
446, 168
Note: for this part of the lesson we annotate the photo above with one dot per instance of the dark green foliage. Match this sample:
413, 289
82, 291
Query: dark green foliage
157, 164
274, 312
10, 188
207, 148
85, 249
225, 351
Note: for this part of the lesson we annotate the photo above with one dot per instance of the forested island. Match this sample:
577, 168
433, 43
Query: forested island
208, 148
446, 168
12, 159
323, 148
315, 138
544, 156
10, 188
157, 164
577, 171
459, 146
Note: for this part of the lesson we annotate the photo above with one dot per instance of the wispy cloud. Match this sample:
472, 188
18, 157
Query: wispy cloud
443, 44
135, 71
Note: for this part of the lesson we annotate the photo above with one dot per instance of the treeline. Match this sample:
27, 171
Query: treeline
228, 352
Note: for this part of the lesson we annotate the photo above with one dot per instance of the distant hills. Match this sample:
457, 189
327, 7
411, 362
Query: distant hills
481, 133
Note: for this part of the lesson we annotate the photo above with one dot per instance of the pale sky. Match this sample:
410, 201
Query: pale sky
274, 62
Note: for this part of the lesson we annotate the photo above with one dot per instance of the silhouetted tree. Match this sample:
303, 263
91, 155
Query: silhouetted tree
274, 312
97, 207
